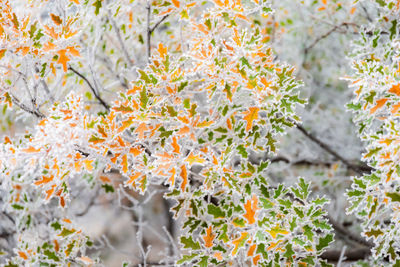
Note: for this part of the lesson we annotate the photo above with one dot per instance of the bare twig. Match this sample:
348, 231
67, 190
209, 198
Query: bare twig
148, 41
329, 150
96, 94
351, 236
350, 254
323, 36
33, 111
152, 29
121, 42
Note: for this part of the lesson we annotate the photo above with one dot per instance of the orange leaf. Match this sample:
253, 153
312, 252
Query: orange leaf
56, 19
172, 177
251, 115
251, 250
395, 89
125, 163
31, 149
251, 209
162, 50
209, 237
73, 51
176, 3
141, 129
75, 1
133, 177
63, 59
135, 151
44, 180
175, 145
379, 104
22, 255
184, 177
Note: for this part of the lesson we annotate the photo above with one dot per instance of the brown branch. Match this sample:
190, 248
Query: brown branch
349, 255
121, 42
357, 169
323, 36
152, 29
148, 44
22, 106
351, 236
102, 102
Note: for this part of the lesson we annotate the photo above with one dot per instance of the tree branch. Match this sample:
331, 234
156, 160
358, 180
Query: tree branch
102, 102
357, 169
349, 255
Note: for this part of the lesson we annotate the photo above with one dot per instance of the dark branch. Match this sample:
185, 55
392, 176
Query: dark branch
351, 236
349, 255
152, 29
357, 169
102, 102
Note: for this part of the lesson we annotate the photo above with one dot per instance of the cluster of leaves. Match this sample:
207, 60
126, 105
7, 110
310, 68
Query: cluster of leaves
188, 122
376, 197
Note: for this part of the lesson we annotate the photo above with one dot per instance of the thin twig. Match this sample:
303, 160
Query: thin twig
97, 95
152, 29
148, 41
327, 148
22, 106
121, 42
351, 236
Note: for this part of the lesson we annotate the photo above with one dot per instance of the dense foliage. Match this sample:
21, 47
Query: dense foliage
120, 101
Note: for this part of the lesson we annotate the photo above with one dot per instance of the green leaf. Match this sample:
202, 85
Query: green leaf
56, 225
51, 255
374, 232
182, 86
186, 258
324, 242
65, 232
144, 99
108, 188
97, 5
216, 211
395, 197
17, 207
188, 242
242, 151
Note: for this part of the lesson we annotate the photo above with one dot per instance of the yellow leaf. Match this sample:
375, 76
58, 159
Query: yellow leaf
239, 242
250, 116
88, 164
277, 230
194, 159
209, 237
